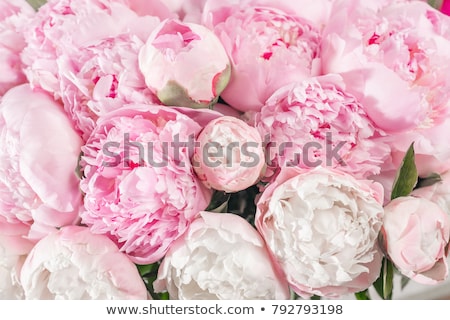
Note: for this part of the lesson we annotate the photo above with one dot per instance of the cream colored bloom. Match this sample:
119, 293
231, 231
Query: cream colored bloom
221, 256
322, 227
75, 264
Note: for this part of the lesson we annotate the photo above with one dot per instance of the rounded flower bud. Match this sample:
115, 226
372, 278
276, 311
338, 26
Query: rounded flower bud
229, 155
174, 65
416, 233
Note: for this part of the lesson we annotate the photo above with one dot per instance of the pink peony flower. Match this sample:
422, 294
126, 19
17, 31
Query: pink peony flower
140, 188
39, 156
95, 70
229, 155
322, 226
393, 59
416, 233
317, 12
174, 66
14, 18
89, 22
75, 264
221, 256
101, 78
316, 122
187, 10
268, 48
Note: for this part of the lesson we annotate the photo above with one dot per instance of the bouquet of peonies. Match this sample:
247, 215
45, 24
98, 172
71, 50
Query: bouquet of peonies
223, 149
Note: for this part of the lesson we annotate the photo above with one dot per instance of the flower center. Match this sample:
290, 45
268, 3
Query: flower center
174, 38
280, 32
399, 50
106, 86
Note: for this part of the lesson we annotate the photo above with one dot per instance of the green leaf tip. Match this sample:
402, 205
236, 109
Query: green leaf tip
407, 177
36, 4
384, 285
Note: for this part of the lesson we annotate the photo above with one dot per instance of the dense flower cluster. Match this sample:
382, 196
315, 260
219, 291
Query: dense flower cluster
222, 149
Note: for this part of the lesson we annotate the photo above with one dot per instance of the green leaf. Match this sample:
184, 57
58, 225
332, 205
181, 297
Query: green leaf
388, 279
36, 4
362, 295
294, 296
146, 268
404, 282
223, 80
435, 3
164, 296
174, 94
406, 178
385, 282
243, 203
149, 273
428, 181
315, 297
219, 202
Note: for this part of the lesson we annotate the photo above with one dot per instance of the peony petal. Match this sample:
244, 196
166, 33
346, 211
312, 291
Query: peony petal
381, 101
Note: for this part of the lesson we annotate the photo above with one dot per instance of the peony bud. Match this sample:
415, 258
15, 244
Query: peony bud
229, 155
416, 233
184, 64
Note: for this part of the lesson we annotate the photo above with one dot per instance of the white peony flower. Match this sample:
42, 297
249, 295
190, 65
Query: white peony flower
14, 248
221, 256
75, 264
10, 288
322, 226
